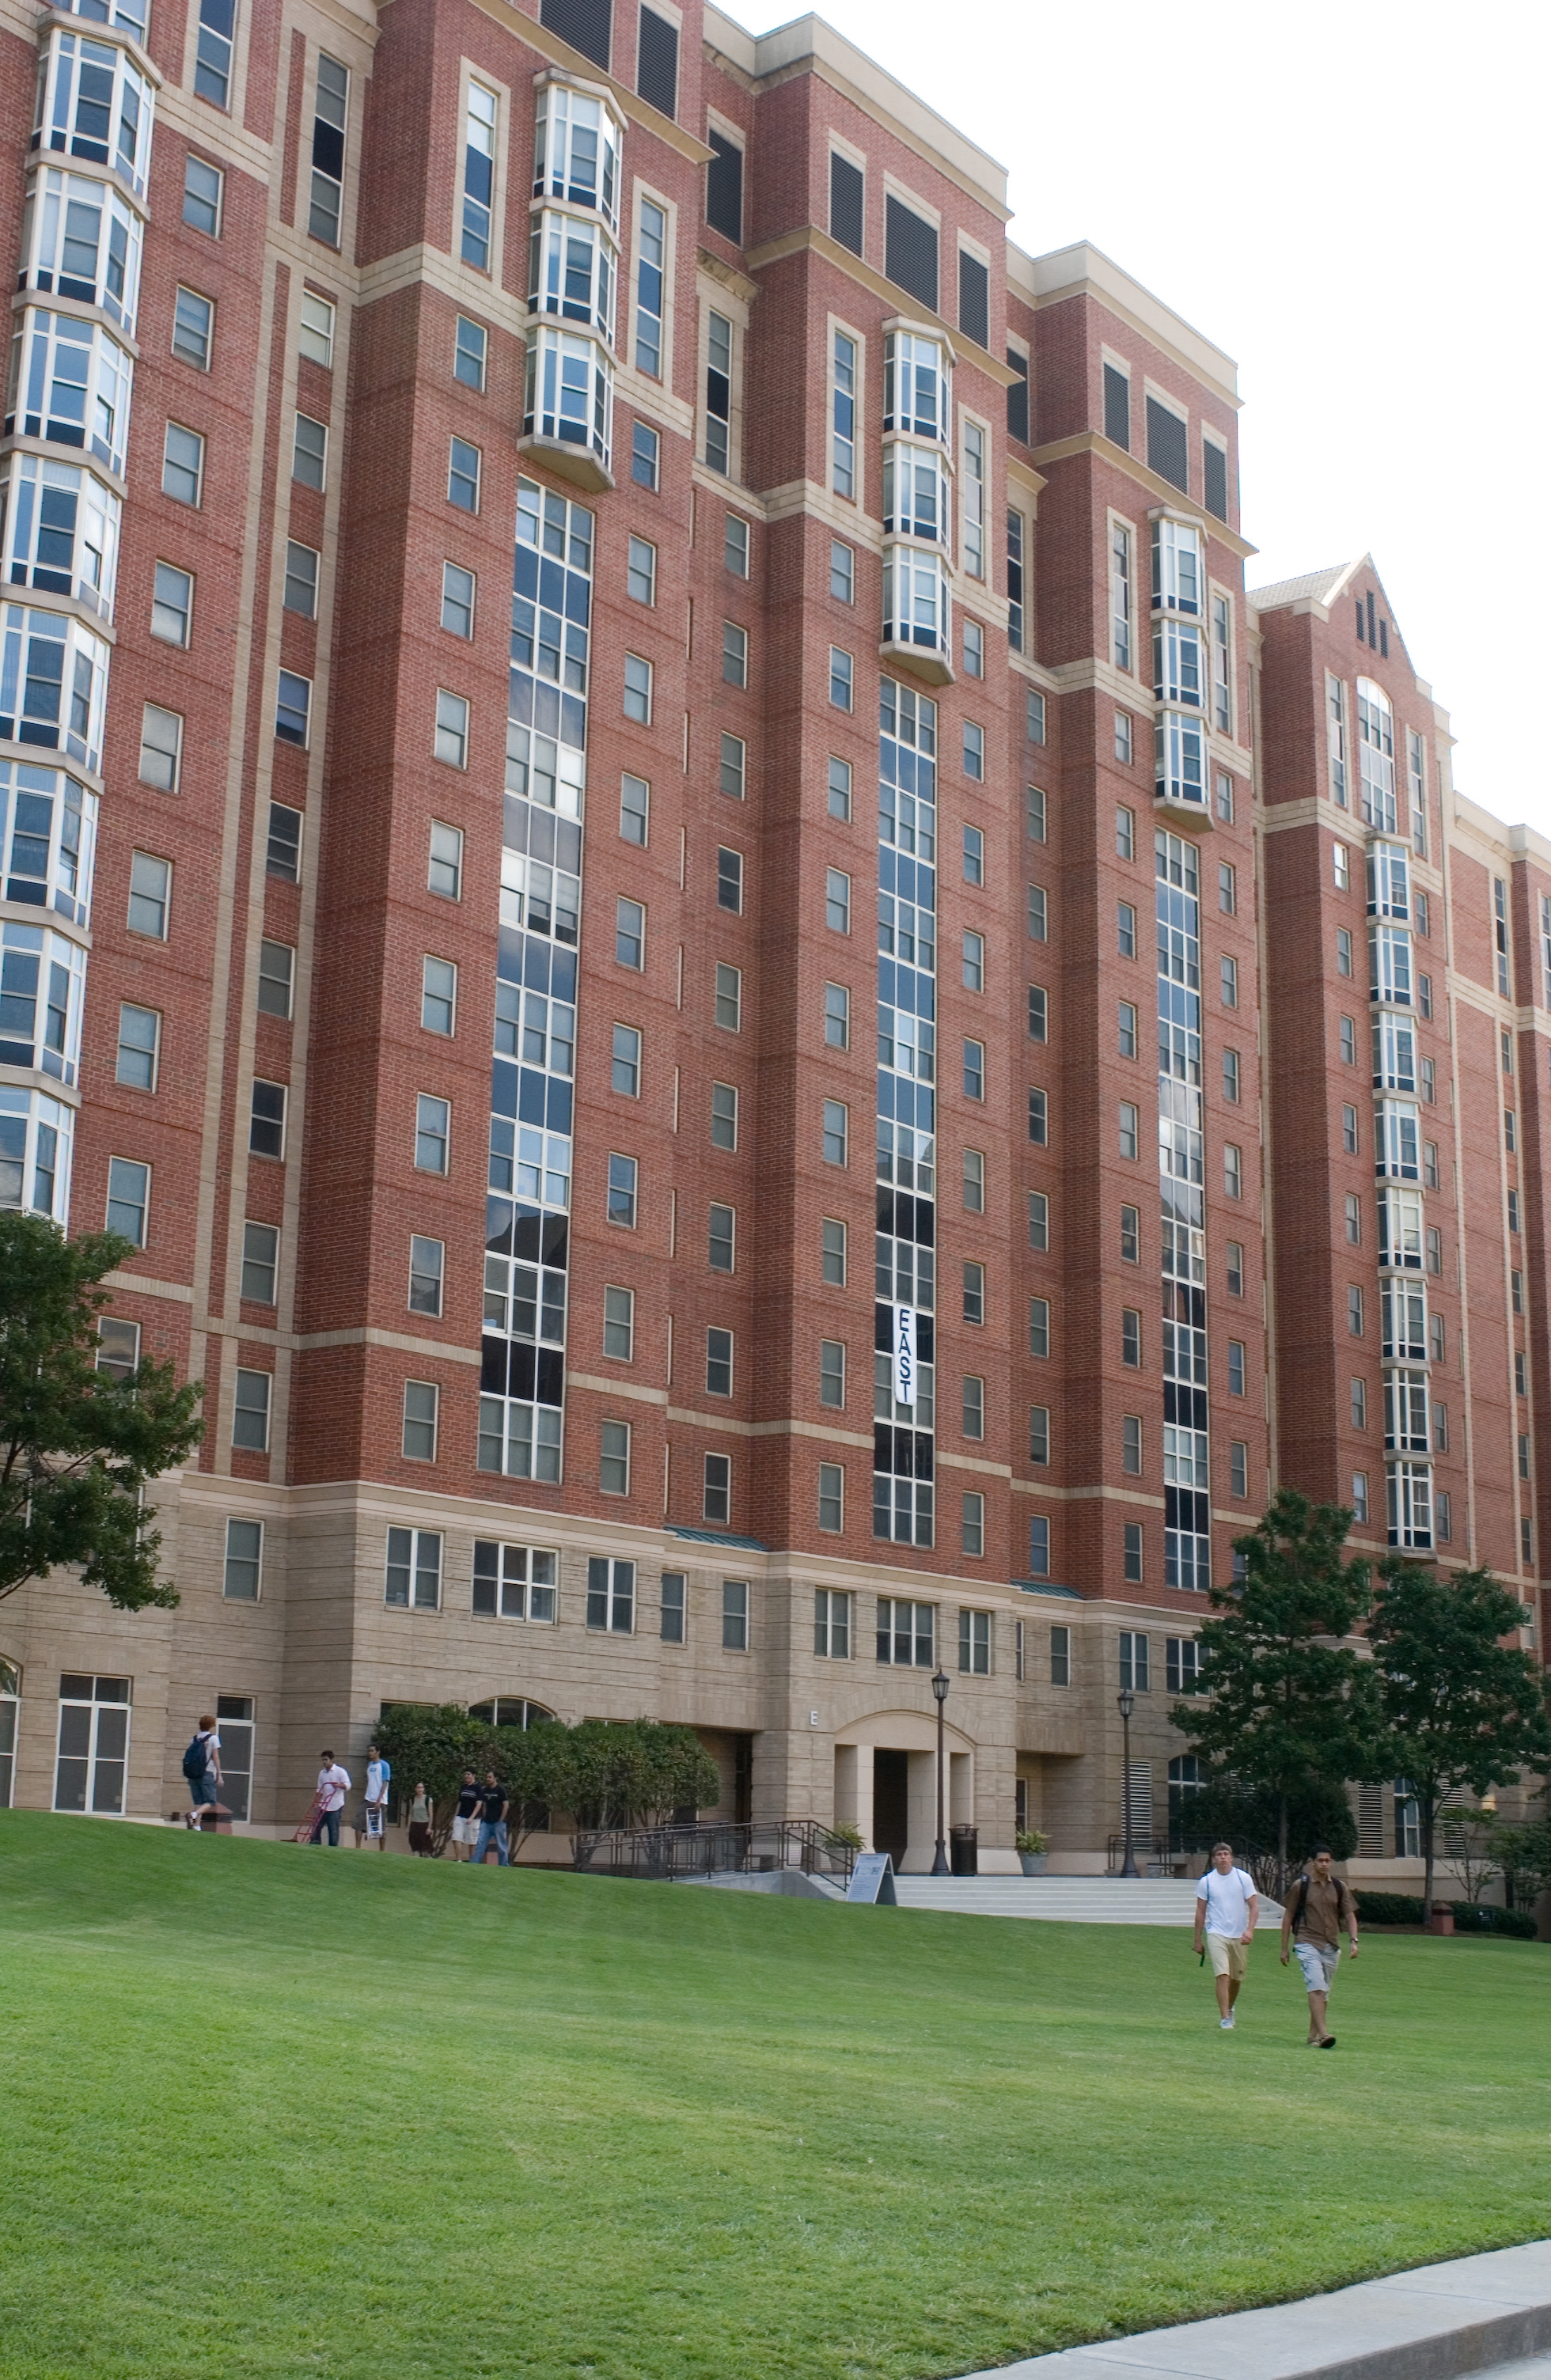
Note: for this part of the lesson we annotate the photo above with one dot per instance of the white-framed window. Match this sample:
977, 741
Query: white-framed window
721, 1238
331, 114
645, 450
458, 589
300, 591
907, 1634
421, 1402
634, 809
832, 1624
514, 1582
193, 329
309, 451
450, 743
293, 707
1336, 739
637, 689
139, 1042
1119, 594
729, 998
412, 1580
1376, 756
832, 1498
250, 1411
716, 1504
266, 1120
972, 497
672, 1607
724, 1115
243, 1569
651, 265
842, 400
182, 464
736, 545
427, 1262
624, 1185
93, 1746
444, 863
128, 1199
118, 1354
277, 968
718, 391
842, 678
613, 1461
735, 1602
972, 1538
735, 654
481, 119
832, 1253
619, 1325
843, 571
203, 191
315, 328
433, 1123
837, 901
1222, 664
438, 996
172, 606
470, 346
464, 465
1416, 786
719, 1363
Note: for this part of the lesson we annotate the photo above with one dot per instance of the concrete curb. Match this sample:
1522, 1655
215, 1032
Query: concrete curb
1434, 2324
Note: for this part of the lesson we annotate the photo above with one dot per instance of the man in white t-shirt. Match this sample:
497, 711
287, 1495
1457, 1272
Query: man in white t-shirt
1227, 1907
334, 1783
379, 1777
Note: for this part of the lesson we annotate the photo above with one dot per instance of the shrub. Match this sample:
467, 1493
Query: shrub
1480, 1917
1388, 1908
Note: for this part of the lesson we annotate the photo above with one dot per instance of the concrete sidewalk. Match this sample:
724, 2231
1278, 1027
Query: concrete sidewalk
1475, 2316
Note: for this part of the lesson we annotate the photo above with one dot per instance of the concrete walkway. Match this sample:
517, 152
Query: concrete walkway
1079, 1899
1475, 2316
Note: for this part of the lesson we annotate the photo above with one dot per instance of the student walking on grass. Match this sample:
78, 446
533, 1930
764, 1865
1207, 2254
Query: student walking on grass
334, 1783
1227, 1908
421, 1810
202, 1767
1312, 1924
466, 1818
494, 1806
374, 1806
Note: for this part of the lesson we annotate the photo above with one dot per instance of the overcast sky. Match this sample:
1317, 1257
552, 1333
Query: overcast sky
1349, 197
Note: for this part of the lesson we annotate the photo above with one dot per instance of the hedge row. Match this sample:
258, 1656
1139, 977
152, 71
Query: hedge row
1470, 1916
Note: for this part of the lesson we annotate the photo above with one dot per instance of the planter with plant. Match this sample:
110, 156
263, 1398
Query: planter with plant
1032, 1847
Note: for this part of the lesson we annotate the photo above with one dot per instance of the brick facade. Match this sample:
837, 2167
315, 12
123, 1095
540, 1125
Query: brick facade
408, 797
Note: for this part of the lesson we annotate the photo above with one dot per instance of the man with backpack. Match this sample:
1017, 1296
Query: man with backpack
201, 1769
1227, 1907
1312, 1924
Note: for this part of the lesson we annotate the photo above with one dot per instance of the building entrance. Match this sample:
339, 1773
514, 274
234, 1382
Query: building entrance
890, 1802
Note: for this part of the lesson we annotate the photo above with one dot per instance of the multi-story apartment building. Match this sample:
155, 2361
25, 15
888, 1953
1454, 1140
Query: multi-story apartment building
612, 704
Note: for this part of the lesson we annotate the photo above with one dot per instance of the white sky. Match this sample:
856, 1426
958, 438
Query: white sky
1346, 197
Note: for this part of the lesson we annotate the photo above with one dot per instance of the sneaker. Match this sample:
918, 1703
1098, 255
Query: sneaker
1225, 2025
1328, 2042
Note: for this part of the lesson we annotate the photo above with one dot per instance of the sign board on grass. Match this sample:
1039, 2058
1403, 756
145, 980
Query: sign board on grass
872, 1879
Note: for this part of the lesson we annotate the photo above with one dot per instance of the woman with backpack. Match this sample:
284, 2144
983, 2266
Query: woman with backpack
202, 1769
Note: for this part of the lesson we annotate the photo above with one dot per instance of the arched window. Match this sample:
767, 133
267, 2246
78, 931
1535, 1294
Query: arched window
509, 1710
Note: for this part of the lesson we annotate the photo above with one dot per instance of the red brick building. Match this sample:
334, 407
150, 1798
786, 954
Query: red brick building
613, 705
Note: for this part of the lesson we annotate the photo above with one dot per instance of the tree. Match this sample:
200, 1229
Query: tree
1525, 1854
1473, 1843
637, 1773
1226, 1810
434, 1743
79, 1447
1461, 1710
1284, 1703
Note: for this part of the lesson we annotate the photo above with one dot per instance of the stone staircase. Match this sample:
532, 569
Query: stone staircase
1075, 1900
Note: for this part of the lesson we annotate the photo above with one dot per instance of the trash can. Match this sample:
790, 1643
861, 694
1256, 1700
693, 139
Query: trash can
964, 1850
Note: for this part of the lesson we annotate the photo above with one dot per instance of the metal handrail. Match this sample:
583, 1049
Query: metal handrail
711, 1848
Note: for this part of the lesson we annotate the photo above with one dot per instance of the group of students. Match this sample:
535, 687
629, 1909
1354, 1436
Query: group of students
1321, 1907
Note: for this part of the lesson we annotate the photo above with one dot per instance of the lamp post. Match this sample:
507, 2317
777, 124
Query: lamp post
1127, 1704
939, 1688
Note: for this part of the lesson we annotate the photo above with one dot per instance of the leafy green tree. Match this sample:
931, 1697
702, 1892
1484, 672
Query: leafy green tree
1226, 1810
434, 1743
1461, 1710
1286, 1702
1525, 1854
79, 1448
637, 1773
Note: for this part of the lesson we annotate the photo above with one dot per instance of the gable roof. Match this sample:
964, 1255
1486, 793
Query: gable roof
1323, 585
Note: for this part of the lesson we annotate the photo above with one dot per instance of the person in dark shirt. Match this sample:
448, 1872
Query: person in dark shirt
466, 1820
492, 1822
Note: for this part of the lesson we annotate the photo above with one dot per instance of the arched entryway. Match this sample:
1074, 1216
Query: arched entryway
886, 1783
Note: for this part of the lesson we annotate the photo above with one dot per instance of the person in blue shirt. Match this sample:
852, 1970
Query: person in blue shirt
374, 1807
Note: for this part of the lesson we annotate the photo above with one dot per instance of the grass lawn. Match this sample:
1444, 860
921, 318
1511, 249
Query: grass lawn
271, 2111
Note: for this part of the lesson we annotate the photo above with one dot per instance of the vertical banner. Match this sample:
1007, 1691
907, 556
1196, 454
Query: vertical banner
905, 1354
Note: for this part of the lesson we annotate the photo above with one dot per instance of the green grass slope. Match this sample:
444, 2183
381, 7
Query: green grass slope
271, 2111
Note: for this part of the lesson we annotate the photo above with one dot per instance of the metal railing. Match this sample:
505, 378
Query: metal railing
1154, 1854
711, 1848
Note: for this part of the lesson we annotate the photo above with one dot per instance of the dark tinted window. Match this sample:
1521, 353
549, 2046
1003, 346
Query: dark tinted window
1215, 478
911, 253
587, 25
846, 203
1166, 453
1117, 407
657, 62
1018, 396
975, 299
725, 188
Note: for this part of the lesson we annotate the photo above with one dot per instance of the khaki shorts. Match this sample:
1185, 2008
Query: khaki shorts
465, 1830
1228, 1957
